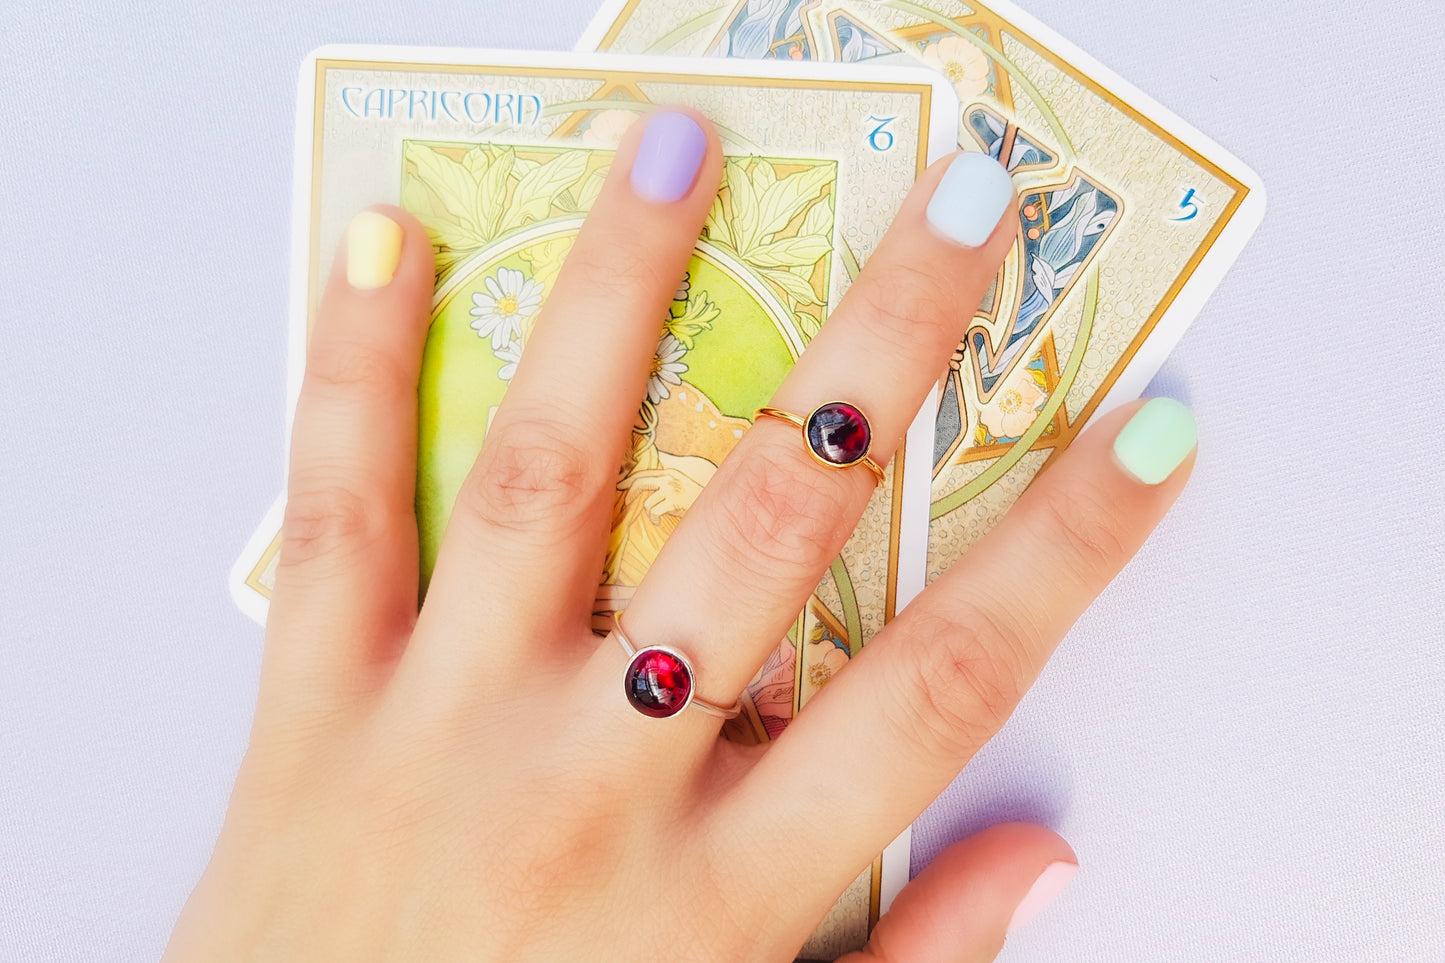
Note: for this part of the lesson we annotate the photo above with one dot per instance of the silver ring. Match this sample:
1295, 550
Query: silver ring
659, 681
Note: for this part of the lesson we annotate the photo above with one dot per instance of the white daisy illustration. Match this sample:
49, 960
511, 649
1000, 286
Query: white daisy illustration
511, 353
667, 368
512, 298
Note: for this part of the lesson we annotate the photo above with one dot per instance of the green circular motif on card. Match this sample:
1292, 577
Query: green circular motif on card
738, 362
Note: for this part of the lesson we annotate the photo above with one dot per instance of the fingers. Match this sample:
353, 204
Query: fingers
346, 577
526, 536
755, 544
960, 908
944, 676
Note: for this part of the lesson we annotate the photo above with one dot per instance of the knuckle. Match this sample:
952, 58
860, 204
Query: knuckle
1086, 530
529, 474
355, 366
908, 305
328, 522
779, 511
965, 674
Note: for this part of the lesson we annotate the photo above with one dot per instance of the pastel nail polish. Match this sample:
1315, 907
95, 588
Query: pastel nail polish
668, 158
969, 200
1156, 440
373, 250
1051, 882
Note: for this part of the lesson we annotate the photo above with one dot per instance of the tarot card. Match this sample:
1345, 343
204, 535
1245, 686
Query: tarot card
500, 154
1129, 218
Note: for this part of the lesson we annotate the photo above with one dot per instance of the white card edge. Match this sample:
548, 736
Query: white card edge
247, 599
597, 27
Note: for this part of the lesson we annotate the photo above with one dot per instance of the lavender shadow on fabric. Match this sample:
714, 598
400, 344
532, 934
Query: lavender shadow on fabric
1019, 776
1170, 381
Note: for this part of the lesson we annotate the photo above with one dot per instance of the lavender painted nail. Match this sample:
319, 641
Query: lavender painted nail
672, 149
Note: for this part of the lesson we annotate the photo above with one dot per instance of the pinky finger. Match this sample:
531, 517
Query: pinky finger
960, 909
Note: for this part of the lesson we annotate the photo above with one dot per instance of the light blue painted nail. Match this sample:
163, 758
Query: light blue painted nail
967, 203
668, 159
1156, 440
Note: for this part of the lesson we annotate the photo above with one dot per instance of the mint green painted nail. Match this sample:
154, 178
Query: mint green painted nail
1156, 440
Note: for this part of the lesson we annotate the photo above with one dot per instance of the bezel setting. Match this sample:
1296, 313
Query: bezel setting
634, 667
853, 412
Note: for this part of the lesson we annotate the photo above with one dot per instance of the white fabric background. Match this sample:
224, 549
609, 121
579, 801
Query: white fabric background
1242, 739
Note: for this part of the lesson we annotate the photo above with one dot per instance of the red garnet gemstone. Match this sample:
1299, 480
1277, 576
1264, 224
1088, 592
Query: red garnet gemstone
838, 433
659, 683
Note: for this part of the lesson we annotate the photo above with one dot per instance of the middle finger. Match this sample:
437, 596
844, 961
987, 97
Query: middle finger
733, 577
535, 509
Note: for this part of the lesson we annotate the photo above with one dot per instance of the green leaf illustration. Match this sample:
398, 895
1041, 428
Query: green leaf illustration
492, 191
697, 317
783, 200
591, 187
762, 175
522, 166
799, 289
807, 324
716, 226
532, 200
449, 181
744, 205
788, 252
819, 219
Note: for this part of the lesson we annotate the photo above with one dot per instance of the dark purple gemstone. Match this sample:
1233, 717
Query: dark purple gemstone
838, 433
658, 683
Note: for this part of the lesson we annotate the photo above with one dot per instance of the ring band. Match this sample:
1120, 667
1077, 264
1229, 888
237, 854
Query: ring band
659, 680
836, 434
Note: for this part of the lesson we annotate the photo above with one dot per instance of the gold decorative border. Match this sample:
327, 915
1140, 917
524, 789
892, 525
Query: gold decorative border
253, 577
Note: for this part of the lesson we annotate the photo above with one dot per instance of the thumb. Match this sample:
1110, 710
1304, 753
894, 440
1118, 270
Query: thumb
961, 907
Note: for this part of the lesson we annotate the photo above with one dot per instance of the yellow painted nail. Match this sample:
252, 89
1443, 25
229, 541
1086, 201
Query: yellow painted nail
373, 250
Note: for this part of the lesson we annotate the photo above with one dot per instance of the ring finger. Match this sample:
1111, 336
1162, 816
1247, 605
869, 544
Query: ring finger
772, 520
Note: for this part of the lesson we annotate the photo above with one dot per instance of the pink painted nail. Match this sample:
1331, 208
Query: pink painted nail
1046, 888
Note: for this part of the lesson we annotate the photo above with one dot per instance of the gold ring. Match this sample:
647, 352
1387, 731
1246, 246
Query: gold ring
836, 434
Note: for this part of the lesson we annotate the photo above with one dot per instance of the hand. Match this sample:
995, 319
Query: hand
469, 782
671, 489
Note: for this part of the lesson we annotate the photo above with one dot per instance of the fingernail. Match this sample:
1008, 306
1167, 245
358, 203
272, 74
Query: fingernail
668, 159
373, 250
967, 203
1046, 888
1156, 440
